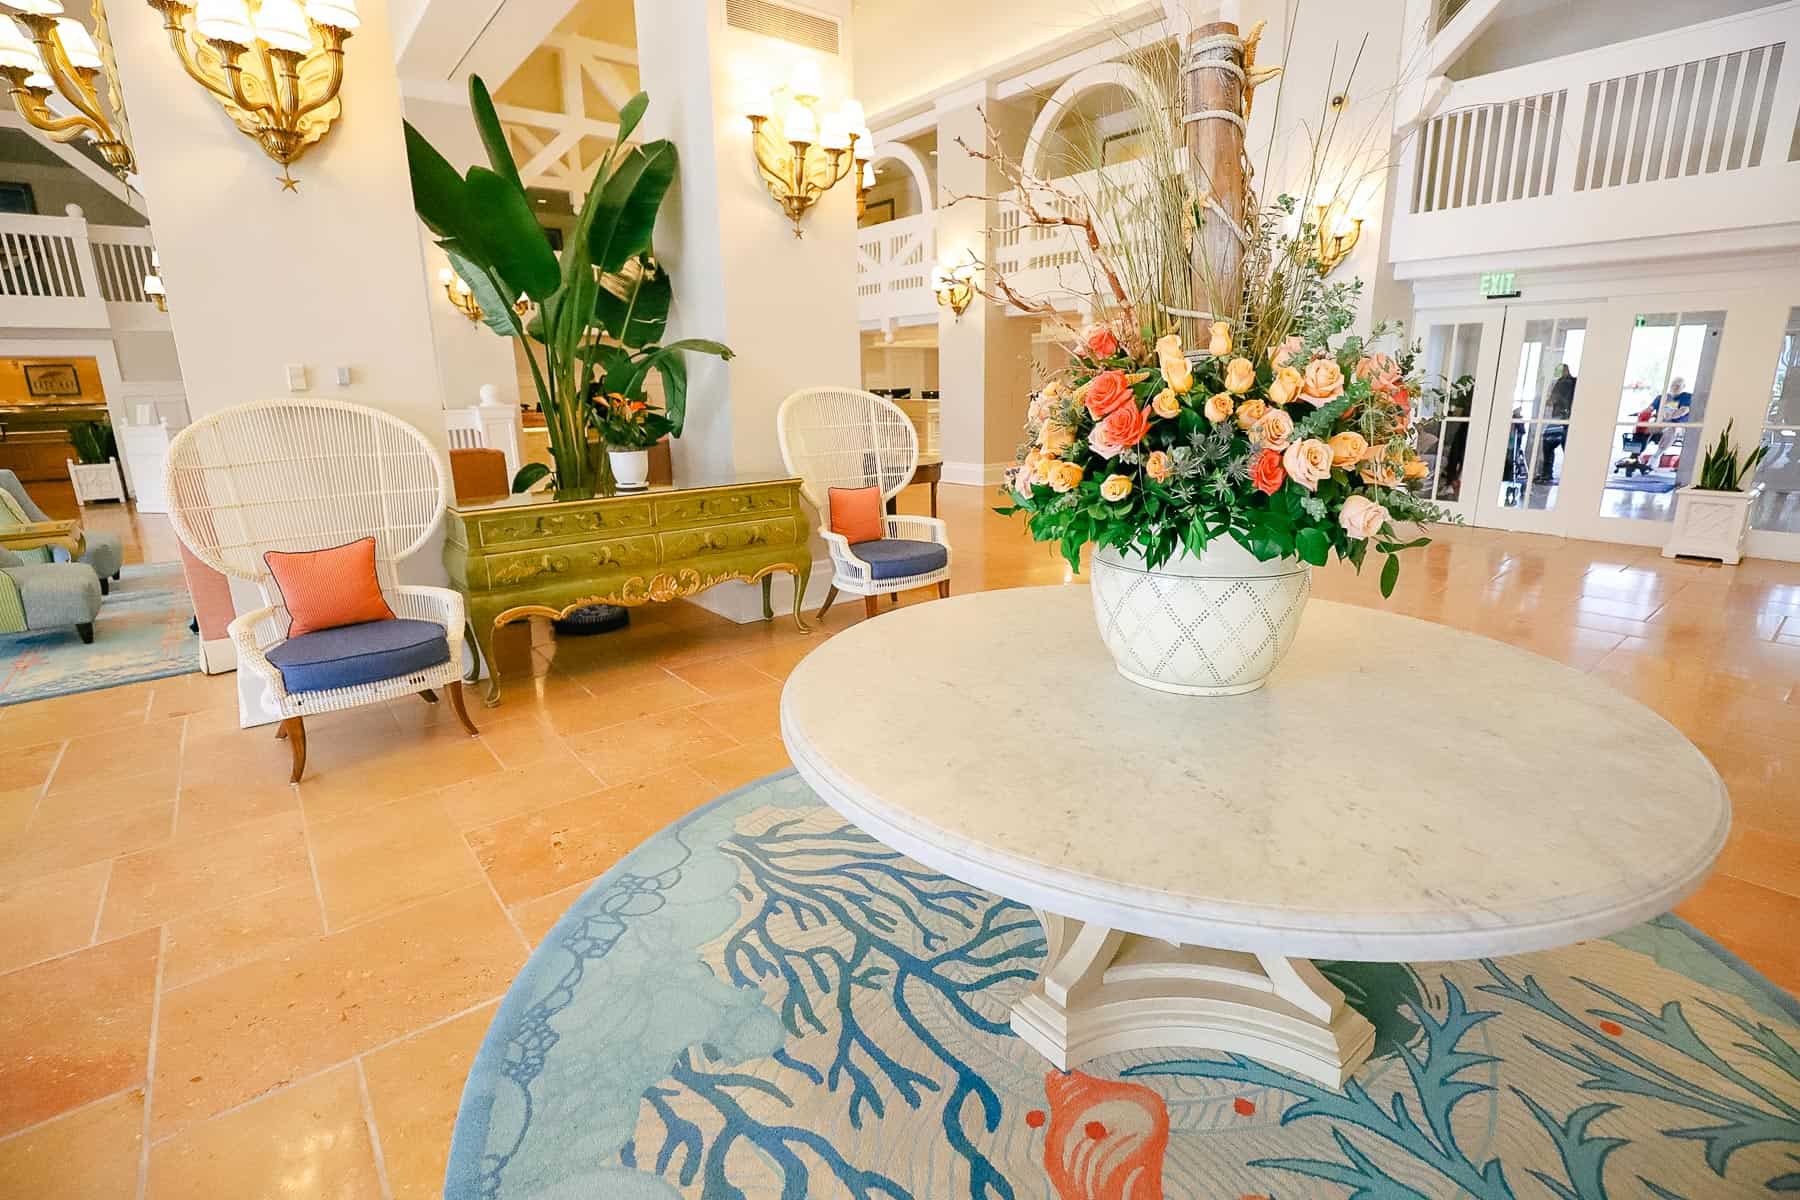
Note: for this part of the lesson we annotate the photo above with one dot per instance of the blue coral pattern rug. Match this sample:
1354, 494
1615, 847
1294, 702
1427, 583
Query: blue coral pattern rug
141, 633
763, 1003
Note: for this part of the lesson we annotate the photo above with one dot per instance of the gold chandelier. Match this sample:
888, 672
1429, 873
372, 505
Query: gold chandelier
55, 55
275, 67
801, 154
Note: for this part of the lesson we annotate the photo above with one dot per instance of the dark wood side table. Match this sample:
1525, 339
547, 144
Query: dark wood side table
928, 473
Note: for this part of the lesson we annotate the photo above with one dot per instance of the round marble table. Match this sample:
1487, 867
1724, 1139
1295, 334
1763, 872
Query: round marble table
1399, 791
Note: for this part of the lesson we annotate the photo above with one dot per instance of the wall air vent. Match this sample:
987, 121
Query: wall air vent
793, 25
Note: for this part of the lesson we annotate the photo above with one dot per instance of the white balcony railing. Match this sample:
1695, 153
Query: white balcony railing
894, 262
1693, 130
63, 273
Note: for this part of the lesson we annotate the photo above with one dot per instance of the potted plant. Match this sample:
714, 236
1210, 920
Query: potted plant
591, 318
1712, 517
628, 428
94, 471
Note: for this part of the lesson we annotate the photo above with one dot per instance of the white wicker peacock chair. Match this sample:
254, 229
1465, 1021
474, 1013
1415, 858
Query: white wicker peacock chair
295, 475
846, 438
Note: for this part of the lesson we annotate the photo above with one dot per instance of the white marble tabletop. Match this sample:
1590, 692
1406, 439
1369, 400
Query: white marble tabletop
1399, 790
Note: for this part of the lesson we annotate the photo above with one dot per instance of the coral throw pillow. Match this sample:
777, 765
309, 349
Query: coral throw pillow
856, 514
323, 589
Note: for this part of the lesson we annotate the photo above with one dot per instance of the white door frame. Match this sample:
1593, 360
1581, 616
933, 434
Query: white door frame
1492, 322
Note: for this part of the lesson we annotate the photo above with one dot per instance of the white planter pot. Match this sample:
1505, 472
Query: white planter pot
631, 468
96, 481
1215, 625
1710, 524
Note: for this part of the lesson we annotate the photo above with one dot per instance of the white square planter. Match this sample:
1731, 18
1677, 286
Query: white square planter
1710, 524
96, 481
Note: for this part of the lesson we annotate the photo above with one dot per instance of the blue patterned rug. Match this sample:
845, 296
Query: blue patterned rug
141, 633
762, 1003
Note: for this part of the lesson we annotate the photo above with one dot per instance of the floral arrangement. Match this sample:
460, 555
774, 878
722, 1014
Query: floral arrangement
629, 424
1295, 449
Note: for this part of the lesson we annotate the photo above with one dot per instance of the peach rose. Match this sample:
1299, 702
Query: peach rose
1380, 475
1052, 390
1167, 404
1273, 430
1361, 517
1219, 339
1324, 380
1348, 448
1064, 476
1115, 487
1040, 409
1267, 473
1158, 465
1415, 469
1041, 466
1307, 462
1055, 437
1285, 386
1219, 406
1249, 412
1382, 372
1284, 350
1100, 340
1176, 372
1106, 392
1240, 376
1124, 428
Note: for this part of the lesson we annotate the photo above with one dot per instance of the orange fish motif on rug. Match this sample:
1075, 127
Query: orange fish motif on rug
1106, 1138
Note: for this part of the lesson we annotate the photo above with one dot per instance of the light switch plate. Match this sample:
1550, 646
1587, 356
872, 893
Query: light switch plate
343, 376
296, 377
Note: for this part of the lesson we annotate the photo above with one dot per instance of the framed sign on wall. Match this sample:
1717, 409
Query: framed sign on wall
52, 379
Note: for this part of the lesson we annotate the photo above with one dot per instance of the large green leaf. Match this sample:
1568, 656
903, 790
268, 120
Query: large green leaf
440, 196
670, 362
631, 114
508, 235
626, 217
487, 123
496, 309
633, 303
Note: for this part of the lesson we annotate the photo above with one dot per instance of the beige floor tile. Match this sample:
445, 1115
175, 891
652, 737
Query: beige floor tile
118, 755
492, 798
741, 764
620, 753
536, 918
415, 1087
547, 850
193, 874
401, 767
721, 677
40, 851
374, 861
748, 716
89, 1154
26, 767
75, 1028
256, 1026
267, 925
63, 717
216, 799
182, 695
306, 1142
50, 915
625, 696
106, 800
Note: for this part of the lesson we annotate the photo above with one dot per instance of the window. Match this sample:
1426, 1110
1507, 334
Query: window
1656, 437
17, 198
1451, 353
1778, 507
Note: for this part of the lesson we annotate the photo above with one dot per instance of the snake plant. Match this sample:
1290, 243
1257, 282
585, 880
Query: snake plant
1721, 471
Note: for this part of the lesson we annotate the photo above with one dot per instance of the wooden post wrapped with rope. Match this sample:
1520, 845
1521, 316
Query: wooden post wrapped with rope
1215, 92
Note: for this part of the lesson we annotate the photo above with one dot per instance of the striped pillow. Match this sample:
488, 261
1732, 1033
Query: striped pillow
323, 589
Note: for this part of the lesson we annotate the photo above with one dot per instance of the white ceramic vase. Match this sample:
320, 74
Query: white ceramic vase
631, 469
1213, 625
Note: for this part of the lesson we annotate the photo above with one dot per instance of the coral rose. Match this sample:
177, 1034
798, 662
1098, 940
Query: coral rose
1167, 404
1348, 448
1219, 406
1100, 340
1307, 462
1158, 465
1362, 517
1249, 412
1267, 473
1324, 379
1124, 428
1285, 386
1055, 437
1115, 487
1176, 372
1240, 376
1273, 430
1105, 392
1219, 339
1063, 476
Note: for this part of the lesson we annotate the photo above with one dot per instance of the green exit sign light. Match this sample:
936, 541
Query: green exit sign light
1498, 284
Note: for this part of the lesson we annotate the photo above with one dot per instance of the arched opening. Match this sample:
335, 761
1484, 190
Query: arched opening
902, 185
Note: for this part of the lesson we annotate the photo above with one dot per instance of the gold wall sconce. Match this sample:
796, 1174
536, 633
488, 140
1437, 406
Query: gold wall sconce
460, 295
1338, 233
801, 154
153, 284
55, 55
274, 66
954, 288
865, 180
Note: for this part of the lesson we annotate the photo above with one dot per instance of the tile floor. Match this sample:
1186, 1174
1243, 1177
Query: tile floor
215, 984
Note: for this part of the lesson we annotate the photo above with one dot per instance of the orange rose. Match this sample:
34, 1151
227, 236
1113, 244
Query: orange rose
1219, 339
1285, 386
1123, 428
1348, 448
1158, 465
1282, 351
1219, 406
1106, 392
1055, 437
1324, 380
1167, 404
1240, 376
1380, 475
1101, 341
1115, 487
1273, 430
1063, 476
1267, 473
1174, 364
1249, 412
1415, 469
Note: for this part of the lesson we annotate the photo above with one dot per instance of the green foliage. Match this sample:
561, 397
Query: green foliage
1721, 471
94, 441
602, 307
528, 476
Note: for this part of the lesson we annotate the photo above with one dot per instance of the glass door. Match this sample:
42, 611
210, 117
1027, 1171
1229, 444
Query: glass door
1458, 349
1538, 399
1662, 404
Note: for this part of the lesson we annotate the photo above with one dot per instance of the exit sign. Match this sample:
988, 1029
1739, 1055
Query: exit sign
1498, 285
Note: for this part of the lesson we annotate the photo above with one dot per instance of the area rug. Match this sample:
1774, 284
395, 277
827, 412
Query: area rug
1639, 484
141, 633
762, 1002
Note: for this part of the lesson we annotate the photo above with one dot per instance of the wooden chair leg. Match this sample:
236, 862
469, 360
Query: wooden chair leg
893, 598
869, 606
85, 631
462, 713
281, 731
296, 736
943, 589
429, 695
830, 597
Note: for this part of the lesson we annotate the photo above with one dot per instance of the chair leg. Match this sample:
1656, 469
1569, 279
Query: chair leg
86, 632
281, 731
296, 736
830, 597
105, 587
943, 589
893, 598
429, 695
462, 713
869, 606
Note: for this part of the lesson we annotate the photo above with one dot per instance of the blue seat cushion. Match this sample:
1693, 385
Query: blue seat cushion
351, 655
897, 558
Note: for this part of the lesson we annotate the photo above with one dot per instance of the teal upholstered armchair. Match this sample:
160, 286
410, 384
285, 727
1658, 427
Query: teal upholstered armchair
104, 552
